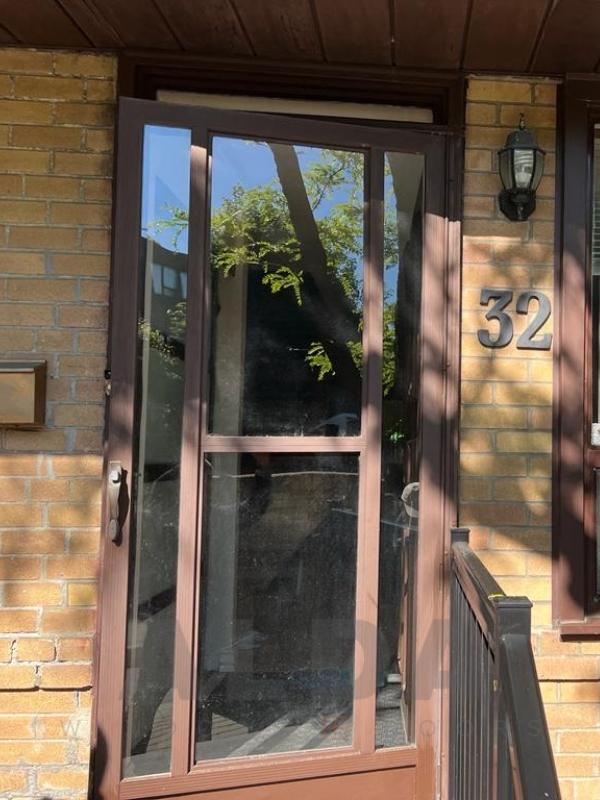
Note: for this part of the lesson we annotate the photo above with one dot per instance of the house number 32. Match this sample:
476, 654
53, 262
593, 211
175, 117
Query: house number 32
501, 299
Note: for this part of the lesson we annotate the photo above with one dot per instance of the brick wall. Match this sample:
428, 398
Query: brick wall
56, 112
506, 419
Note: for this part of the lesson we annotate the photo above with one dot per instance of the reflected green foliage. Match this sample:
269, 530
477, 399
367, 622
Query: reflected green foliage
389, 347
176, 223
318, 359
253, 227
158, 341
176, 317
284, 278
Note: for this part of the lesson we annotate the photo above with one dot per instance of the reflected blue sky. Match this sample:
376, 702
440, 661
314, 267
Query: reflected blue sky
166, 170
166, 183
390, 271
251, 163
238, 161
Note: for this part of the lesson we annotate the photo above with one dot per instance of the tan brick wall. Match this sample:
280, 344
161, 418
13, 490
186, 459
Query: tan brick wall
506, 422
56, 112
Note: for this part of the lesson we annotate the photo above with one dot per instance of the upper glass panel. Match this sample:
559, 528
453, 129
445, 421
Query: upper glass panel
155, 521
286, 251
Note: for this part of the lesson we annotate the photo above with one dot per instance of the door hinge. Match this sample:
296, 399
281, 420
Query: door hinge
107, 382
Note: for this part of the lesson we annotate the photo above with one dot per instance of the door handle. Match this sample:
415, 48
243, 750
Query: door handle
114, 483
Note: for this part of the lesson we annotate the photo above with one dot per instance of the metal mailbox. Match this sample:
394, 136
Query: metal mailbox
22, 393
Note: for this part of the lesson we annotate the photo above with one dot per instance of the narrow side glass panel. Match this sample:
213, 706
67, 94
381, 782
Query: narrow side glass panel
595, 248
277, 613
403, 224
155, 484
596, 288
595, 300
286, 243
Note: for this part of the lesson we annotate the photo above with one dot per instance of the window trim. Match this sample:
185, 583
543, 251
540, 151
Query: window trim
142, 75
574, 609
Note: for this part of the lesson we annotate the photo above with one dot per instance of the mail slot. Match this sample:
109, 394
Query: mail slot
22, 393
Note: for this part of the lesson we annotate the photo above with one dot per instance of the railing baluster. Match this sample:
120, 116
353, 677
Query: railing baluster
465, 719
463, 698
456, 658
487, 740
479, 714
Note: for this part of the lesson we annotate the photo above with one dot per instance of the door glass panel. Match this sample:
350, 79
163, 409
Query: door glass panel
403, 224
286, 244
595, 258
595, 301
155, 494
277, 584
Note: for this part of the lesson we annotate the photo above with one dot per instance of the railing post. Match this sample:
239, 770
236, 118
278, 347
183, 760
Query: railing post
513, 616
459, 535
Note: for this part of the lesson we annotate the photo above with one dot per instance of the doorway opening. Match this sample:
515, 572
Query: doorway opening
277, 415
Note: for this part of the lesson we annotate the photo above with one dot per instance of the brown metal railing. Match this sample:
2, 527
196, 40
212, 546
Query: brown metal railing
499, 743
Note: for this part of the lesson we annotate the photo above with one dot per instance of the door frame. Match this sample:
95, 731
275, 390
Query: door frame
440, 321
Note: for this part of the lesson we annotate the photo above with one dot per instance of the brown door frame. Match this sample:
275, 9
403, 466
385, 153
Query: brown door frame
439, 321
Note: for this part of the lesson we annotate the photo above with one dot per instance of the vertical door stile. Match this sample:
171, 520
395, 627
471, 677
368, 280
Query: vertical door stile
203, 322
368, 543
115, 555
191, 496
432, 499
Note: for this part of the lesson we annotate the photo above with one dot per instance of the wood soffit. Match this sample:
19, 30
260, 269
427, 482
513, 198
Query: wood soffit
539, 37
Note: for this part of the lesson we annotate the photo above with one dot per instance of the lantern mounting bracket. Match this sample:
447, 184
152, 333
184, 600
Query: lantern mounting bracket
516, 205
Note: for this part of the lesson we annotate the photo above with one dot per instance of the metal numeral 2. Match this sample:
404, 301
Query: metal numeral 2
527, 340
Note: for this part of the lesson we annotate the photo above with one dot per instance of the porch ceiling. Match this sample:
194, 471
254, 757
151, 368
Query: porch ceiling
534, 36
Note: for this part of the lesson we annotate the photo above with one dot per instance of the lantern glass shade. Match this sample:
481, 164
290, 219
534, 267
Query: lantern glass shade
521, 168
538, 169
523, 161
506, 172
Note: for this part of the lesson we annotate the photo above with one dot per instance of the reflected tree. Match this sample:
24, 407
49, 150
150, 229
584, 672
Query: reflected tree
304, 232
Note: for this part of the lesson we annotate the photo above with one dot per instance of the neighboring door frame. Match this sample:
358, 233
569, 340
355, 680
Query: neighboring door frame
439, 408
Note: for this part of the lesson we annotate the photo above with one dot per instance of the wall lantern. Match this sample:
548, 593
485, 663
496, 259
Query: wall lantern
521, 164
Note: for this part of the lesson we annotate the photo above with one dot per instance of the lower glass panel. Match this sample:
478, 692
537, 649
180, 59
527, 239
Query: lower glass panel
278, 584
400, 454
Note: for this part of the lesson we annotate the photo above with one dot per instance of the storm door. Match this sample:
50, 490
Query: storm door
275, 499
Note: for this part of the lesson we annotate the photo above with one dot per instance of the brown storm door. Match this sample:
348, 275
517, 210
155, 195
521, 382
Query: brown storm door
271, 601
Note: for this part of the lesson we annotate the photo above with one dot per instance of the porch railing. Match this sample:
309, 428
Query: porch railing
499, 743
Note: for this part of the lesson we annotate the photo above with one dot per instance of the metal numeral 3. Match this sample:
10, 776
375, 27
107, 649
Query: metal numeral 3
496, 312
